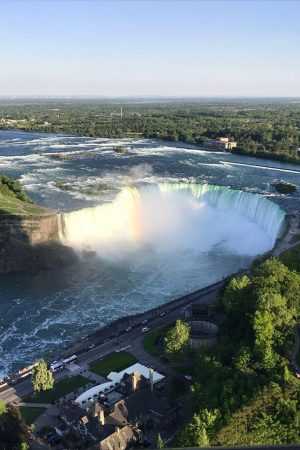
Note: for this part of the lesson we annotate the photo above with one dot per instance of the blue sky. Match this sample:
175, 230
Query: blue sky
136, 48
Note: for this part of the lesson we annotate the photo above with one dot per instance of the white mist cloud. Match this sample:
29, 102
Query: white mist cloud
146, 220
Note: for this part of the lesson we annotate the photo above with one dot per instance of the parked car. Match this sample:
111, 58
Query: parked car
128, 329
145, 329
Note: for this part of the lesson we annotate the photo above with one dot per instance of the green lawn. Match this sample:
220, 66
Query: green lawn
30, 414
60, 389
151, 341
114, 362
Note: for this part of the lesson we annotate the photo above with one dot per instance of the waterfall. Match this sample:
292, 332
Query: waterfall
265, 213
169, 213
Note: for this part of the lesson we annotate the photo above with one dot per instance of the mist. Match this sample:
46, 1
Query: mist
150, 219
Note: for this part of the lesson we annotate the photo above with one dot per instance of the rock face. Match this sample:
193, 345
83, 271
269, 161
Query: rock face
31, 243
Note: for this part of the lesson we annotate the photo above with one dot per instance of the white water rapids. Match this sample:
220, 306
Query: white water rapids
176, 217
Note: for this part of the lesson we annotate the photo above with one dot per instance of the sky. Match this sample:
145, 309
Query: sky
150, 48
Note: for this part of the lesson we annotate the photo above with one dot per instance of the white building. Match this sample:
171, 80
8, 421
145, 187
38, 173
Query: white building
114, 378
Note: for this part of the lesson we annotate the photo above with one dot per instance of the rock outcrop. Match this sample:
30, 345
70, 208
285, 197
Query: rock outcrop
31, 243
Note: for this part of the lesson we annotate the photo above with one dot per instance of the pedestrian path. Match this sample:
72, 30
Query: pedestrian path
34, 405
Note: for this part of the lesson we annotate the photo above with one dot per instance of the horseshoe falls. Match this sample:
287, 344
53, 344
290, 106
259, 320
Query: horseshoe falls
172, 217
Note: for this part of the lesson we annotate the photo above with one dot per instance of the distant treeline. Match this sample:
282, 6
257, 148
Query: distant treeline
266, 129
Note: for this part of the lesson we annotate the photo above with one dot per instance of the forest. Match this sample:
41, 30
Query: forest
245, 390
265, 128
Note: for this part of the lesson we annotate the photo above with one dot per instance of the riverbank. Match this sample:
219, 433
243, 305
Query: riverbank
268, 156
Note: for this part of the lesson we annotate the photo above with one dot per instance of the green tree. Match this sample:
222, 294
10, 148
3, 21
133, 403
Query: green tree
243, 359
177, 337
196, 433
24, 446
2, 407
42, 378
159, 442
13, 430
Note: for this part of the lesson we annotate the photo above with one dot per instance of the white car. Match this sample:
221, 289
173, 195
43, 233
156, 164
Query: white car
145, 329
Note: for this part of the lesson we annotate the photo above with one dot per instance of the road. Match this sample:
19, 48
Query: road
133, 338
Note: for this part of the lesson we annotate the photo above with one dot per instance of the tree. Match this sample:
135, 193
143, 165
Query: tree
24, 446
42, 378
243, 359
2, 407
196, 433
177, 337
159, 442
13, 430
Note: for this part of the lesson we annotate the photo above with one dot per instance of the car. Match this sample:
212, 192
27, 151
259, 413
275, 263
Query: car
128, 329
162, 314
188, 377
145, 329
92, 346
145, 321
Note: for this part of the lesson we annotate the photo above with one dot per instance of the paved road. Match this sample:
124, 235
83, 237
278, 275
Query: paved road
133, 338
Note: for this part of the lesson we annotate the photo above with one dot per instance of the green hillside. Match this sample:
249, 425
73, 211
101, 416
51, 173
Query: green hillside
14, 201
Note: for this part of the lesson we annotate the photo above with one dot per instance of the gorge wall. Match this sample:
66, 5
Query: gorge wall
31, 243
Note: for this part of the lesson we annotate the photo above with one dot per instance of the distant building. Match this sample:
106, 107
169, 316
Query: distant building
221, 144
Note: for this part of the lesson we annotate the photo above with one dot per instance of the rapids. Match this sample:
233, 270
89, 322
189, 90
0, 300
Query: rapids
158, 221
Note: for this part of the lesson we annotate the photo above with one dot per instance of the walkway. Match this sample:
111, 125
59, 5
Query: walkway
35, 405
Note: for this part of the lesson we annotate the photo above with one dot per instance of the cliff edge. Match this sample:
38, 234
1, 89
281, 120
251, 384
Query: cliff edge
29, 234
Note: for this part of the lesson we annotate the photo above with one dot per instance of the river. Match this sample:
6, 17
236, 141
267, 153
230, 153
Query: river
161, 219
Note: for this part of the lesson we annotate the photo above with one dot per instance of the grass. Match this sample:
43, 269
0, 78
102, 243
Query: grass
30, 414
151, 341
291, 258
60, 389
114, 362
13, 206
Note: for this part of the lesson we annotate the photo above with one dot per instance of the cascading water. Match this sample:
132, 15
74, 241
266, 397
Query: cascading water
173, 216
268, 215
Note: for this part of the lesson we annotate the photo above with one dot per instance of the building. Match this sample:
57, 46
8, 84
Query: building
111, 416
113, 389
121, 439
203, 333
221, 144
95, 431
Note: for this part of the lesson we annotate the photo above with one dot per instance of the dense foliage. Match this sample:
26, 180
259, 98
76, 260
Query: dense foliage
245, 391
42, 377
264, 128
177, 338
13, 431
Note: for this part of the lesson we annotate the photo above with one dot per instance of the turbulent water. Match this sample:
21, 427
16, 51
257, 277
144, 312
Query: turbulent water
157, 221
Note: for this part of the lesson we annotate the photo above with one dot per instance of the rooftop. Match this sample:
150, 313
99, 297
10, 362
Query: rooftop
115, 378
